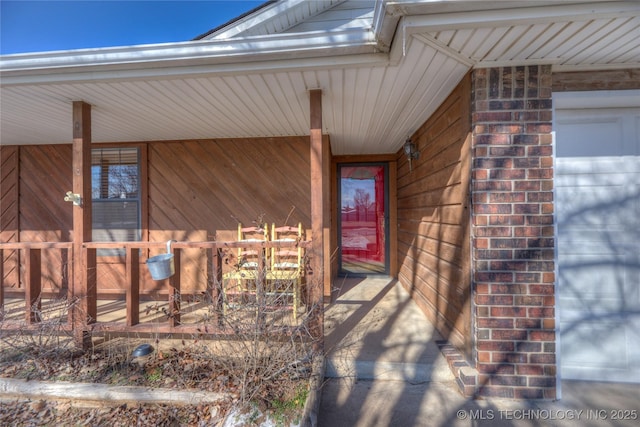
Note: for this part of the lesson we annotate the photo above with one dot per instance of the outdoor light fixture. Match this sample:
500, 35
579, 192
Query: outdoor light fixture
142, 350
411, 151
141, 354
73, 197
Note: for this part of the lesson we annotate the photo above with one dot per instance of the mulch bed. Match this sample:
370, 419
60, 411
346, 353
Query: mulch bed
184, 368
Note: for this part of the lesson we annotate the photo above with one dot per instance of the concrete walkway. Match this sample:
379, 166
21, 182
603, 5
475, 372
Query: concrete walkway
383, 368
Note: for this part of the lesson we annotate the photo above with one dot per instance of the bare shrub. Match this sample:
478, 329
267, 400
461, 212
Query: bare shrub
38, 344
269, 349
249, 344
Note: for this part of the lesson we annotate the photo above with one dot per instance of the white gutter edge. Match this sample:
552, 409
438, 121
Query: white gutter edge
525, 15
193, 71
287, 50
184, 54
411, 26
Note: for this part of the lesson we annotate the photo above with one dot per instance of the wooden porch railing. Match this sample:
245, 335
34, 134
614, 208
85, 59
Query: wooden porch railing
82, 319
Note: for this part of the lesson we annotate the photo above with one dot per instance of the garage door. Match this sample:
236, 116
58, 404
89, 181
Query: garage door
597, 181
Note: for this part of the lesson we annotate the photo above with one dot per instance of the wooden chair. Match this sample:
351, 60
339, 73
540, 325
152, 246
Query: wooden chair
286, 267
248, 266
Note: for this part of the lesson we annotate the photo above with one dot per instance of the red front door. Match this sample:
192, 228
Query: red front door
363, 218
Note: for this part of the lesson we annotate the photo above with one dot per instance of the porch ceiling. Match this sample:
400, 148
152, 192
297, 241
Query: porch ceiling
373, 98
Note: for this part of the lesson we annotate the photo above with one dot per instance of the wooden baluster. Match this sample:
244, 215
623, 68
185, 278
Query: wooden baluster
91, 279
216, 265
174, 291
133, 288
33, 285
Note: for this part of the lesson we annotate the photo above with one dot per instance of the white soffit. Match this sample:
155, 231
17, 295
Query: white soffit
599, 35
372, 100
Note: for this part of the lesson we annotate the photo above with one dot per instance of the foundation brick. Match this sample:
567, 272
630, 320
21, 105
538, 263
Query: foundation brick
497, 392
535, 289
529, 323
490, 276
508, 265
495, 323
492, 185
509, 289
532, 393
526, 186
507, 197
527, 277
507, 152
508, 334
508, 243
528, 300
494, 299
543, 358
528, 347
542, 382
496, 369
512, 380
507, 174
494, 232
541, 313
530, 370
542, 336
486, 345
466, 377
506, 220
508, 311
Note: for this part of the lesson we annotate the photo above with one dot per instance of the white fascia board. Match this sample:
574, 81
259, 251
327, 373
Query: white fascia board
385, 22
194, 71
266, 13
523, 15
249, 53
263, 15
561, 68
412, 25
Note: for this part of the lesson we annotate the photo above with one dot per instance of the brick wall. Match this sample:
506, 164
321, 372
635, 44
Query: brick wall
513, 232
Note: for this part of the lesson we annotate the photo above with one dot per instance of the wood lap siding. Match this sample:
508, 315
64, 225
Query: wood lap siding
433, 218
45, 177
200, 189
204, 186
196, 189
596, 80
9, 176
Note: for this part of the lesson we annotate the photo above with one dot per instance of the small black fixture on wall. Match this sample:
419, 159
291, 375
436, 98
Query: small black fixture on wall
411, 151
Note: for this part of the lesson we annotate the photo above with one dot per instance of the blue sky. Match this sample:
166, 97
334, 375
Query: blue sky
39, 26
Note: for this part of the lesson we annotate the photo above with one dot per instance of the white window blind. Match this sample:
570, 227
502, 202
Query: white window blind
115, 177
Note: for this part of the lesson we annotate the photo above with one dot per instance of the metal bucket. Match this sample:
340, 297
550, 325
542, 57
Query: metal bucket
161, 266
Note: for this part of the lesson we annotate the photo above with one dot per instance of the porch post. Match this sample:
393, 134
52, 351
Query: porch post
319, 164
84, 261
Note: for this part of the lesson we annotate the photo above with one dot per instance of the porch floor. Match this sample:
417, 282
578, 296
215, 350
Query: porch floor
374, 330
384, 368
192, 311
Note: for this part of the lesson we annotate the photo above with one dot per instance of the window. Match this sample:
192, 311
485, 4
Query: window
115, 192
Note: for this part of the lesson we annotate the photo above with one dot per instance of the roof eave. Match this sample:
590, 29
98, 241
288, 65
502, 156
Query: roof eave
173, 58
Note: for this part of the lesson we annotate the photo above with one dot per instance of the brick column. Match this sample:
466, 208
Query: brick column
513, 233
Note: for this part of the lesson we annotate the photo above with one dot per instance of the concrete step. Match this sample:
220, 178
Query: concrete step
413, 373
